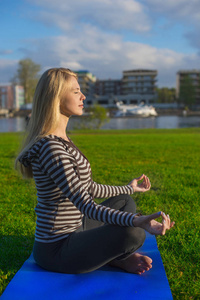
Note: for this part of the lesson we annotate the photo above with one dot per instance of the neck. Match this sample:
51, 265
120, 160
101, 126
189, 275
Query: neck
60, 131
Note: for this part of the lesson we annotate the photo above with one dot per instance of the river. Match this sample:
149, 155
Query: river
168, 122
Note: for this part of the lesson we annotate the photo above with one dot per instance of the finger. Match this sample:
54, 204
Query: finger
165, 219
172, 224
169, 223
147, 181
149, 184
165, 222
154, 216
141, 177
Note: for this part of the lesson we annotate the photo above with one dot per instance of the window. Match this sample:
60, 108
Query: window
133, 101
105, 102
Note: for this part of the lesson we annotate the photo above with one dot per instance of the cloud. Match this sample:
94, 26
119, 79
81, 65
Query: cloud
92, 37
107, 55
179, 9
106, 14
115, 16
173, 13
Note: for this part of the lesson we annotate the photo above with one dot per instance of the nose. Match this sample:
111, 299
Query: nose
83, 97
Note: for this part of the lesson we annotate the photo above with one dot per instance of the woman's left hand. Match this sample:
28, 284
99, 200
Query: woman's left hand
151, 225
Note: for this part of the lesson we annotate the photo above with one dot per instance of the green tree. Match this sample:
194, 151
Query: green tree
98, 116
27, 76
187, 91
166, 95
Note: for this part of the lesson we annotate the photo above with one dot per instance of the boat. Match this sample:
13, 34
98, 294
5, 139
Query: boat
135, 110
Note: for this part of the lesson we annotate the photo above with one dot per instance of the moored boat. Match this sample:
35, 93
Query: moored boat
135, 110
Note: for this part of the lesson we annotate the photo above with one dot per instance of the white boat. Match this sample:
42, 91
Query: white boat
135, 110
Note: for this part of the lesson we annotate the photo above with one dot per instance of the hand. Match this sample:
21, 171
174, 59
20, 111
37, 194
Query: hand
151, 225
144, 186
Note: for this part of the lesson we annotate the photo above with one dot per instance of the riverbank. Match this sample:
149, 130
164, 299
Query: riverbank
170, 158
120, 123
177, 112
161, 112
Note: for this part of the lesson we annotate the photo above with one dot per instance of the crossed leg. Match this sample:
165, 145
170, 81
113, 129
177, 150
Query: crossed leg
97, 244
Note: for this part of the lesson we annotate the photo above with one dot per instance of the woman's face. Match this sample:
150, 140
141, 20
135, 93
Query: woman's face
72, 99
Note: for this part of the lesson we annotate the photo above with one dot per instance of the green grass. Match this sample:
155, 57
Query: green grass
171, 159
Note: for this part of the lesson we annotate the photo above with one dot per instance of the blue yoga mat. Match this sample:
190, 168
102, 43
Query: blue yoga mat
108, 283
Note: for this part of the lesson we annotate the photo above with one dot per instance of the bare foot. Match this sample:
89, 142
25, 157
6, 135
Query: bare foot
135, 263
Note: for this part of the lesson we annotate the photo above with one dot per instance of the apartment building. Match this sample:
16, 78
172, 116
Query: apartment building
87, 84
108, 87
86, 81
139, 86
194, 76
11, 97
135, 87
106, 92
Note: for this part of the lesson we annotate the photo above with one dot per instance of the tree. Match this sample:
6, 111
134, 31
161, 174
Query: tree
27, 76
187, 91
98, 116
166, 95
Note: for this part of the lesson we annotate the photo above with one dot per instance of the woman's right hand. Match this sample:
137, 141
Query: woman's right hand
144, 186
151, 225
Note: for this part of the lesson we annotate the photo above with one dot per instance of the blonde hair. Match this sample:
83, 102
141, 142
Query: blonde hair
45, 111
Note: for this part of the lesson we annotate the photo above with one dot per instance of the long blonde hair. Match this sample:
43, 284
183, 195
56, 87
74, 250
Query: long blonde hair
45, 111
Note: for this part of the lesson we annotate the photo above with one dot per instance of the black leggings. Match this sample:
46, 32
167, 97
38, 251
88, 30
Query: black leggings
93, 245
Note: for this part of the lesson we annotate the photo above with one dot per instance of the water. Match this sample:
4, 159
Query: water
168, 122
12, 124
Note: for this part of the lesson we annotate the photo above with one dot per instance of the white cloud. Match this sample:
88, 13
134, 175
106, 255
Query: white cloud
92, 37
106, 55
187, 11
177, 12
106, 14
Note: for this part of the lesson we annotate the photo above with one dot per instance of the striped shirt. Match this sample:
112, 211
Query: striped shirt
65, 190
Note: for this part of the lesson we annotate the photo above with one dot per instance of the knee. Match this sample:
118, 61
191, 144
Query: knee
133, 237
130, 204
128, 198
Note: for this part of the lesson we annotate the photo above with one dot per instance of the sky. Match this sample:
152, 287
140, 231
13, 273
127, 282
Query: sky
105, 37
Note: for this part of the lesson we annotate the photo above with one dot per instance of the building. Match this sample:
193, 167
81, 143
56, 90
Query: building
108, 87
194, 76
136, 86
11, 97
139, 86
87, 84
106, 92
86, 81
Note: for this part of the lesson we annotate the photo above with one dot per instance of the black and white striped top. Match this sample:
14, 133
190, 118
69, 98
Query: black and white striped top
65, 190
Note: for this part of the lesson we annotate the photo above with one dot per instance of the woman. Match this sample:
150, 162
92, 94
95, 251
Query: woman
73, 233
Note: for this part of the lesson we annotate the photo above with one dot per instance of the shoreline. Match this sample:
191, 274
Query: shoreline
161, 112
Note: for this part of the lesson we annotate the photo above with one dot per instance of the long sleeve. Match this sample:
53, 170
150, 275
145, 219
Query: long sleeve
104, 191
72, 176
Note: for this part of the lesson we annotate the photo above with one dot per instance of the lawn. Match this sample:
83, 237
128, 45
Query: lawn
171, 159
